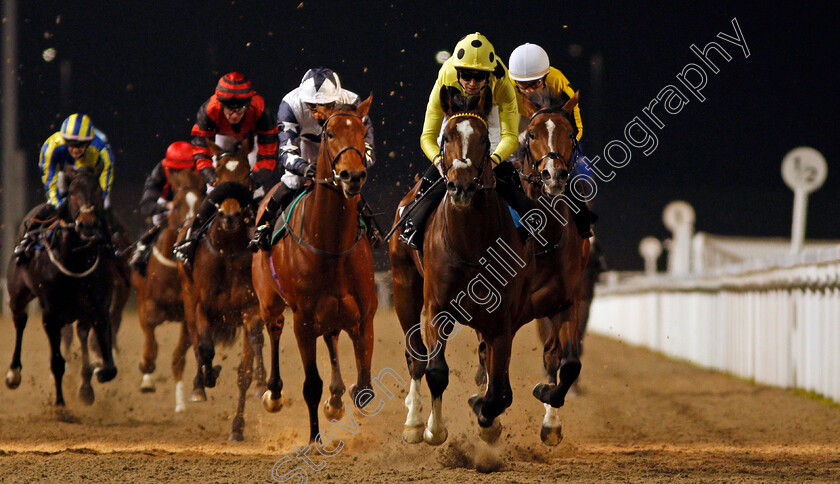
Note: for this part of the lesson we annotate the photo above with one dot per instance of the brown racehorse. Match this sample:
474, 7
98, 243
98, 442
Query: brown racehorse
72, 279
457, 280
323, 270
217, 292
560, 254
159, 291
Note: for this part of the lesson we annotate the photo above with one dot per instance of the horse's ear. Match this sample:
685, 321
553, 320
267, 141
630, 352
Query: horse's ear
485, 104
245, 146
530, 106
446, 103
69, 170
215, 149
364, 106
571, 103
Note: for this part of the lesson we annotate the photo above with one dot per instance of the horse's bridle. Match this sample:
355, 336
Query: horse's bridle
540, 178
478, 176
332, 160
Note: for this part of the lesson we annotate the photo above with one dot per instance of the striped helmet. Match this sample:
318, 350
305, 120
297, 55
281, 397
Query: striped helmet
77, 127
320, 86
234, 89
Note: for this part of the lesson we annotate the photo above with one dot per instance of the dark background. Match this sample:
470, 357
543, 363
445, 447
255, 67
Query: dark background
141, 70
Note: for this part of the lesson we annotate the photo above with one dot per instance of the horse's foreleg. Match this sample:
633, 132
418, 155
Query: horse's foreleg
150, 317
244, 380
179, 360
53, 327
333, 407
206, 349
570, 343
273, 396
257, 341
18, 306
313, 386
499, 394
437, 377
85, 390
551, 347
102, 329
408, 303
362, 392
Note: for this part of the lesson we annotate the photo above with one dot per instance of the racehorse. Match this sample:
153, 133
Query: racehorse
471, 225
72, 279
323, 270
558, 285
217, 292
159, 290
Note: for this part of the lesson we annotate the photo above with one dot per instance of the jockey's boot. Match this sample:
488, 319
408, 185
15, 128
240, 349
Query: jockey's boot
427, 198
509, 187
25, 249
584, 218
276, 204
142, 251
184, 251
374, 233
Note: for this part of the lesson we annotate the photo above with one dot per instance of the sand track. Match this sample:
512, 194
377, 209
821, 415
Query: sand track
640, 417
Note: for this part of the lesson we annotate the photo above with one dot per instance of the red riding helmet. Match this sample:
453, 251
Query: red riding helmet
179, 155
234, 89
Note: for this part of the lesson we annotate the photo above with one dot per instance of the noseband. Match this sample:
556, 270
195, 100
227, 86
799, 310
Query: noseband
332, 160
541, 178
477, 179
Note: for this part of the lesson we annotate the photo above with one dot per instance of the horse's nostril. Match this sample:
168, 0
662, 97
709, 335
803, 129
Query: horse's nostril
564, 174
450, 186
363, 176
344, 175
471, 187
545, 175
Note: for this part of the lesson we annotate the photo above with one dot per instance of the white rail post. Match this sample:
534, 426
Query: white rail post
804, 170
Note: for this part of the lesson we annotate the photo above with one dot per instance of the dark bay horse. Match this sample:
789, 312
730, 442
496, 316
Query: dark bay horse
558, 285
159, 290
474, 272
218, 295
72, 279
323, 271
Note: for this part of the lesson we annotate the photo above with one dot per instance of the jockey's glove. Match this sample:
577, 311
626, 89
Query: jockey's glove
307, 170
369, 159
505, 171
262, 178
209, 174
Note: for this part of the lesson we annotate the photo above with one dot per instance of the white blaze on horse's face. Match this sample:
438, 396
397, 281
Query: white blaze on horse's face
231, 165
549, 125
465, 130
191, 200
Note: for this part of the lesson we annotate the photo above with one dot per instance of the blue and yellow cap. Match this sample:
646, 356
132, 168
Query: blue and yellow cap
77, 127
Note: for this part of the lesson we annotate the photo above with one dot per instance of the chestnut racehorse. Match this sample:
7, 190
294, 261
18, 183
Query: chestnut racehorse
217, 292
323, 270
471, 224
73, 280
557, 289
159, 290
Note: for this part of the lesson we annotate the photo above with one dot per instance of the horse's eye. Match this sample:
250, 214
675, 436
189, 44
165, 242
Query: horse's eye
445, 139
532, 135
330, 134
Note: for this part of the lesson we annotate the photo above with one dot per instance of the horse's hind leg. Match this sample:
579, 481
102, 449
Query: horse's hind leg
86, 390
179, 359
257, 341
102, 329
244, 380
273, 396
333, 407
53, 327
313, 386
18, 301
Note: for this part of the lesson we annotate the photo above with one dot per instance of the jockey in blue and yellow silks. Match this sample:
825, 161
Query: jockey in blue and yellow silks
474, 66
79, 143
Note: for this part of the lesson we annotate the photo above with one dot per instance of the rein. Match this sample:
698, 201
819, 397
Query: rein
61, 267
301, 241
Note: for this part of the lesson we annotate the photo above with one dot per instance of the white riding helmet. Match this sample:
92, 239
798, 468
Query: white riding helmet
320, 86
528, 62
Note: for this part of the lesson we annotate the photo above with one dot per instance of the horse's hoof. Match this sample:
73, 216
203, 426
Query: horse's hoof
433, 439
148, 384
13, 379
259, 389
272, 405
413, 434
86, 394
333, 413
492, 433
551, 436
236, 431
104, 375
198, 395
236, 437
